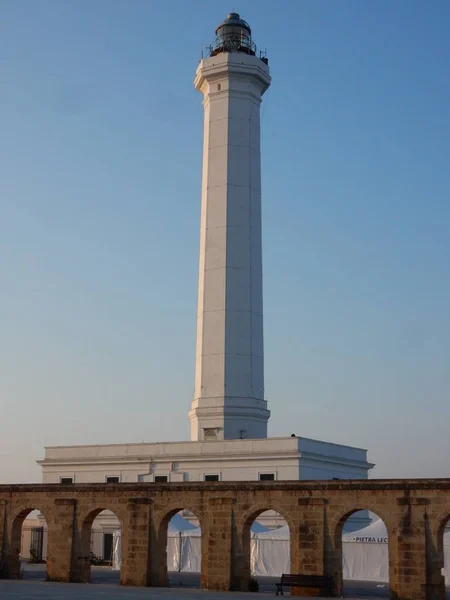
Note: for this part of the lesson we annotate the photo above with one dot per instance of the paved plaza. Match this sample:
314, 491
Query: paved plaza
184, 586
37, 590
40, 590
105, 586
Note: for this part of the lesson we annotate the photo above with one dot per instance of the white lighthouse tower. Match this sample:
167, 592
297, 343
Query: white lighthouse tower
228, 404
229, 376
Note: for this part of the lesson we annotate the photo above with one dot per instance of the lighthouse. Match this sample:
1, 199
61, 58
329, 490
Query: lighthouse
229, 414
229, 398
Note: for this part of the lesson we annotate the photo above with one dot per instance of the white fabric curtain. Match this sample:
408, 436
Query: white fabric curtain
184, 553
117, 555
270, 557
192, 554
365, 561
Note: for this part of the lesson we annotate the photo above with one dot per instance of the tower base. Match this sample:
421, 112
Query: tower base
228, 418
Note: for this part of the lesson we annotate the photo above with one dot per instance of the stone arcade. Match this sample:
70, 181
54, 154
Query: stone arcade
415, 513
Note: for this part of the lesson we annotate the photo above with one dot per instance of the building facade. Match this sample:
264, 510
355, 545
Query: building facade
277, 459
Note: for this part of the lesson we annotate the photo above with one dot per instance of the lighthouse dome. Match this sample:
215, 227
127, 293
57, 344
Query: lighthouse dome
233, 35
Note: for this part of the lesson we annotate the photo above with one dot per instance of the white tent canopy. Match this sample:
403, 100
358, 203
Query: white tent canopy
282, 533
375, 533
364, 552
184, 546
258, 528
270, 552
177, 524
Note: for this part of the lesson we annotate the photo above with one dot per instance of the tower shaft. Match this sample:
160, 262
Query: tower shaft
229, 379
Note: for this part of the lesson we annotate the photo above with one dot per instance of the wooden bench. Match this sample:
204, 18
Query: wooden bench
323, 582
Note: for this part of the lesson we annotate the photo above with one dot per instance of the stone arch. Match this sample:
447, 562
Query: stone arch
242, 541
335, 566
14, 535
82, 542
440, 523
255, 510
435, 529
169, 511
161, 521
338, 520
89, 513
436, 552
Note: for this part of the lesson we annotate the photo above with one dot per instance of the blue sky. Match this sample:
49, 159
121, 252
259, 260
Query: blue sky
100, 170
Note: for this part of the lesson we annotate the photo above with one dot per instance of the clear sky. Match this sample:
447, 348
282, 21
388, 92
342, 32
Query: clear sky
100, 171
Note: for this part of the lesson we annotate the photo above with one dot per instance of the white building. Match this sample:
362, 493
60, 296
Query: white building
278, 459
229, 414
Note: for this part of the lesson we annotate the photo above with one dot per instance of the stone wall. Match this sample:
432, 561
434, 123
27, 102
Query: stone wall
415, 513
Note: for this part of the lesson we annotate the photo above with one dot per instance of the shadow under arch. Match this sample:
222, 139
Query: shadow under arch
162, 527
82, 568
14, 544
376, 551
241, 576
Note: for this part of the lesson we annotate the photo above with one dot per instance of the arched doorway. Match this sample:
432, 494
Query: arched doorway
179, 554
362, 557
100, 546
265, 550
28, 549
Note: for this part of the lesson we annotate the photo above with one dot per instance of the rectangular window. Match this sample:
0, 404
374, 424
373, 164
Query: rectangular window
66, 480
160, 478
266, 477
113, 479
211, 478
